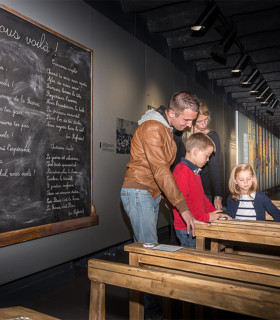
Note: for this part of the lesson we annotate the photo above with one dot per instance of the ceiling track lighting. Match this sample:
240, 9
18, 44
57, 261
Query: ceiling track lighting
250, 78
267, 99
220, 50
257, 87
241, 64
272, 107
263, 93
207, 16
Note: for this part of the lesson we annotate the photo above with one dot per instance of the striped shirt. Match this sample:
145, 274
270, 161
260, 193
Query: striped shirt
246, 210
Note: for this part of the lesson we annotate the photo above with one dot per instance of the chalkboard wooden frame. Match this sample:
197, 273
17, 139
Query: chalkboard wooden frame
38, 231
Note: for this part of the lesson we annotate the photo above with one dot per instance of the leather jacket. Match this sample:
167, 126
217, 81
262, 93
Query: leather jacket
152, 152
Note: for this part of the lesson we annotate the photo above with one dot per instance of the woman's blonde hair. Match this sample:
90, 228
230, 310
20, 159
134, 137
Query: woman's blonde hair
234, 187
203, 111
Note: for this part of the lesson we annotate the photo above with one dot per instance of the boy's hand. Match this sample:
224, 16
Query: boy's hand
217, 215
190, 221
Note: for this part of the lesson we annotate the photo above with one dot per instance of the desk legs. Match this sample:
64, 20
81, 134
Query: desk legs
215, 246
200, 243
136, 298
97, 301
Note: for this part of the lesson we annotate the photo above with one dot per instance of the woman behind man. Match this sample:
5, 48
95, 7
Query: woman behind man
210, 175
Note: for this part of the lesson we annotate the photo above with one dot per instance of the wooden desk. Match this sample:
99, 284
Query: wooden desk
250, 232
18, 312
251, 269
203, 278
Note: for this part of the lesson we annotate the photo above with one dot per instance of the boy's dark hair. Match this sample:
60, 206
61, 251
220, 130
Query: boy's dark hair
199, 140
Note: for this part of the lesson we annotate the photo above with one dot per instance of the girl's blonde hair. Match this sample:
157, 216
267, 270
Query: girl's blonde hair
234, 187
203, 111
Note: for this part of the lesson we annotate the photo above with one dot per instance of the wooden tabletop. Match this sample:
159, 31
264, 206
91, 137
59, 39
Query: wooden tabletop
18, 312
255, 224
259, 232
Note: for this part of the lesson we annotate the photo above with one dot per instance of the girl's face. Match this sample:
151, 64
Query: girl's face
244, 180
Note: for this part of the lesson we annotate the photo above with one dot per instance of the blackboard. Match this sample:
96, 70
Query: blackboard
45, 131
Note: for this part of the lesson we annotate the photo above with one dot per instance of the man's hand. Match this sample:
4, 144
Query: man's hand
190, 221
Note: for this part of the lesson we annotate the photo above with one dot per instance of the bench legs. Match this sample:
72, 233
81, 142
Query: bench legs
136, 305
97, 301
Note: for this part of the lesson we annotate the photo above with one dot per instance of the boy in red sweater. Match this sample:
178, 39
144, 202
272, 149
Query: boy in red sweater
199, 148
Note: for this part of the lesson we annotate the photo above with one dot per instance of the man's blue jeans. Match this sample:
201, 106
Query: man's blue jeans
142, 211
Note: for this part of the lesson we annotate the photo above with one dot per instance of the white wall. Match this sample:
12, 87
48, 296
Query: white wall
127, 76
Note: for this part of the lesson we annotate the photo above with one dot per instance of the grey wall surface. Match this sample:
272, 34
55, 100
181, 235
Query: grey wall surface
127, 76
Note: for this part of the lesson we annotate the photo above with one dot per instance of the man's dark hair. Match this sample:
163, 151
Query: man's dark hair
183, 100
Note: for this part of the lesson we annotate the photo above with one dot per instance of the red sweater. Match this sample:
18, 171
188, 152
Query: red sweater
190, 185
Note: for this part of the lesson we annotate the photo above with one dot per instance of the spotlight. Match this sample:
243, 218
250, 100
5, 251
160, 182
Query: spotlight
268, 98
206, 17
272, 107
257, 87
250, 78
241, 64
263, 93
220, 50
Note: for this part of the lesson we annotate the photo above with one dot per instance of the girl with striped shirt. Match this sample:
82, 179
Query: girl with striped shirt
245, 202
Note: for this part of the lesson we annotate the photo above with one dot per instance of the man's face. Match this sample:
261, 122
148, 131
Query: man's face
185, 119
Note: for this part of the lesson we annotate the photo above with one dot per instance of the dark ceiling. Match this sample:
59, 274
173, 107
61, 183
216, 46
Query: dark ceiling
255, 30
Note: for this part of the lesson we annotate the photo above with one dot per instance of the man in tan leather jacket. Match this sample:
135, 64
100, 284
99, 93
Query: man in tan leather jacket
148, 174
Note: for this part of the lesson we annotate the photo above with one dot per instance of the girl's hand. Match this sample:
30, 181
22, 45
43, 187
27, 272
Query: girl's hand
217, 215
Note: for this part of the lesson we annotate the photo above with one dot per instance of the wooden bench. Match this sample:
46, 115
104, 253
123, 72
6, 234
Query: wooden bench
242, 297
249, 269
266, 234
23, 313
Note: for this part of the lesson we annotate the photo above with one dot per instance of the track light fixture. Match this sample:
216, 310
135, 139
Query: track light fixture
220, 50
241, 64
257, 87
250, 78
207, 16
262, 94
272, 106
268, 98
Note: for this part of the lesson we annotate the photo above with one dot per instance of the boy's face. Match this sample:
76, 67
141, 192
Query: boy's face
201, 157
